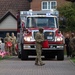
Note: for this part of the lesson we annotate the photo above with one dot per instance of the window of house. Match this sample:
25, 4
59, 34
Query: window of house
44, 5
47, 5
53, 4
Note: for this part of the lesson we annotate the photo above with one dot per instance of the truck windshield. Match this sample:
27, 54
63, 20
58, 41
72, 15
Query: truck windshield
42, 22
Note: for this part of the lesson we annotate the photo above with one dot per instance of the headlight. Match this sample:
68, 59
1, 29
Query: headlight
58, 39
28, 38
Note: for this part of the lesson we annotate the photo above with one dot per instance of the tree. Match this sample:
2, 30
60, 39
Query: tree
68, 12
71, 0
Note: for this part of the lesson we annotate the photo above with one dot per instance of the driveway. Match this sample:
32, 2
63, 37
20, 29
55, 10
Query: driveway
15, 66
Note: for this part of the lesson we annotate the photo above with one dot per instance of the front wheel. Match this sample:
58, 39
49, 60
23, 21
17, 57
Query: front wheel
60, 55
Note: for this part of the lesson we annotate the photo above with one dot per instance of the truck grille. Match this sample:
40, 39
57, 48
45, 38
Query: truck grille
47, 35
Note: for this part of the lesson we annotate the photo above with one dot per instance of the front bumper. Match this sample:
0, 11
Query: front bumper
51, 47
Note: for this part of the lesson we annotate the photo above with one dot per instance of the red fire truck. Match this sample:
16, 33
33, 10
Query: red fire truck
28, 24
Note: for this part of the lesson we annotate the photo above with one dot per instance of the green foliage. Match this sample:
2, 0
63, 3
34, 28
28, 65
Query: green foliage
6, 57
71, 0
68, 11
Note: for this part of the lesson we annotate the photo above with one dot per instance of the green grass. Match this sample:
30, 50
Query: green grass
6, 57
64, 52
73, 59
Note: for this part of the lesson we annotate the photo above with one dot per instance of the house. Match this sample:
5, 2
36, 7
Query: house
8, 24
9, 8
8, 11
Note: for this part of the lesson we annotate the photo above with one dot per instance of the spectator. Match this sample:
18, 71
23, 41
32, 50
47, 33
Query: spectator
67, 44
13, 44
8, 43
72, 44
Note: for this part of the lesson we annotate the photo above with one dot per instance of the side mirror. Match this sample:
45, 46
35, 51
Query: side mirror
62, 21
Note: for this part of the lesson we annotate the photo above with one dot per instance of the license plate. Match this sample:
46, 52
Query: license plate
26, 46
48, 37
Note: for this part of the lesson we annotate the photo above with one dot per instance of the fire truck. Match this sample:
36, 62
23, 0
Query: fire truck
28, 25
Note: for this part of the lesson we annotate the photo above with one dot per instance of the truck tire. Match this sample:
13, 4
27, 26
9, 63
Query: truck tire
24, 55
60, 55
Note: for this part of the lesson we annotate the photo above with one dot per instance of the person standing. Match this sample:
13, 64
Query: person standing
13, 44
72, 44
8, 43
67, 44
39, 38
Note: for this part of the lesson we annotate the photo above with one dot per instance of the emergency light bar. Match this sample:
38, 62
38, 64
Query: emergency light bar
44, 12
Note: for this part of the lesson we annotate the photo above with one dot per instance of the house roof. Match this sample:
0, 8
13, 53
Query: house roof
7, 14
13, 6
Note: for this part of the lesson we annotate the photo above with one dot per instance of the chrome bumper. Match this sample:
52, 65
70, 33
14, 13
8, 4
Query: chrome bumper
51, 47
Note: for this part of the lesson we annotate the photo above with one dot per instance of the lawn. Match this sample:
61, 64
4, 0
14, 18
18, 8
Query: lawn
6, 57
73, 59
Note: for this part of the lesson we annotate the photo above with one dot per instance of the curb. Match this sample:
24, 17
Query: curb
72, 62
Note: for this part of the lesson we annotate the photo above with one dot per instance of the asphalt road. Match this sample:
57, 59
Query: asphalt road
15, 66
